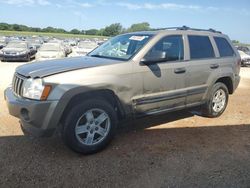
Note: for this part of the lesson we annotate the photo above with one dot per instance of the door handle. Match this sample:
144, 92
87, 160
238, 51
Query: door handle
179, 70
214, 66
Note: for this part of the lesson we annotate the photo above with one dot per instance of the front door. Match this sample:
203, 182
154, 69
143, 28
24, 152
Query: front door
163, 79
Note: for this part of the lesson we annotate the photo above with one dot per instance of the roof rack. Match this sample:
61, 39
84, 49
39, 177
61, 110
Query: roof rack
189, 28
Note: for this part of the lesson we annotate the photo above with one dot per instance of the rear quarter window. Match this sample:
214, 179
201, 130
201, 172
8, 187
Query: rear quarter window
200, 47
224, 47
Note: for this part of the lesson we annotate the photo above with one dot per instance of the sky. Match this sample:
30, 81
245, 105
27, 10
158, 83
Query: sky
229, 16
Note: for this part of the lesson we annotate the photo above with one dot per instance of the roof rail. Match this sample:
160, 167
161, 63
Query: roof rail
189, 28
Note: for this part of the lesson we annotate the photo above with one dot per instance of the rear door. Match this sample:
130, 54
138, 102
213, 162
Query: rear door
201, 65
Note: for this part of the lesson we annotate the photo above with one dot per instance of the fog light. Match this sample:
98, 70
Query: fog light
25, 114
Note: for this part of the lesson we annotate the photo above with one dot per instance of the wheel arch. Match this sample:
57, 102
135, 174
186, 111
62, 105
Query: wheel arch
104, 94
227, 80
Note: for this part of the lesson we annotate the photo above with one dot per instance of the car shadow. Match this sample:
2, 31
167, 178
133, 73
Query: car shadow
155, 120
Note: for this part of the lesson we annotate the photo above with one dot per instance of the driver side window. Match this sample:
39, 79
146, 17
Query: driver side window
170, 48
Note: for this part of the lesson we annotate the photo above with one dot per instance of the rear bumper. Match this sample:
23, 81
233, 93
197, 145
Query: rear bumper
35, 116
236, 82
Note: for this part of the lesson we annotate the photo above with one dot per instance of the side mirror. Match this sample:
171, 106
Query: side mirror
154, 57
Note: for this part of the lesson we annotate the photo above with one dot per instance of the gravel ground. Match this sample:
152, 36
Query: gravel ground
179, 149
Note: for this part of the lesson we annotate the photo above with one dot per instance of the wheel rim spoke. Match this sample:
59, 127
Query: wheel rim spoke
101, 118
90, 138
81, 129
101, 131
89, 116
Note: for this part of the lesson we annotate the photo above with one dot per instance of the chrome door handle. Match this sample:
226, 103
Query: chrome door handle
179, 70
214, 66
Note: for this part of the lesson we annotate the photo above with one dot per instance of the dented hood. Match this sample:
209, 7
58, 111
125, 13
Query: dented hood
50, 67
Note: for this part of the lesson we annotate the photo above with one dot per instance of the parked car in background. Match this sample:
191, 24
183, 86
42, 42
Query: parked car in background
245, 58
3, 42
50, 51
67, 47
83, 48
36, 42
244, 49
17, 51
72, 42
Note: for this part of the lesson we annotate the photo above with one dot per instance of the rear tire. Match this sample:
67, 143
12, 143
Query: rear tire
217, 101
89, 126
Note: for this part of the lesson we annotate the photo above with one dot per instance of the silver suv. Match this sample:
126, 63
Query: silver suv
130, 75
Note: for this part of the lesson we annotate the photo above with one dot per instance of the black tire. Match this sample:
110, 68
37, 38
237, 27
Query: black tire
208, 109
28, 58
75, 113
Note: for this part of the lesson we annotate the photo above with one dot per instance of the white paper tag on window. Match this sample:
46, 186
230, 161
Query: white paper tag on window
137, 38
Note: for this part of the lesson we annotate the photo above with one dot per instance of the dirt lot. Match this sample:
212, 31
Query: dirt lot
174, 150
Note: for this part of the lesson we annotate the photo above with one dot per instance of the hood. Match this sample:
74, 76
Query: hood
50, 67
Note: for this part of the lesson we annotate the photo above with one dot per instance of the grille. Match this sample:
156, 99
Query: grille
17, 84
10, 53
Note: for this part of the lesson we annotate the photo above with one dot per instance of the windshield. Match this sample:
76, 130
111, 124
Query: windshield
122, 47
50, 47
16, 45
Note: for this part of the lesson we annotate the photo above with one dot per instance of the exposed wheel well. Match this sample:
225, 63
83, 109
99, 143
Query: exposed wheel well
228, 82
106, 95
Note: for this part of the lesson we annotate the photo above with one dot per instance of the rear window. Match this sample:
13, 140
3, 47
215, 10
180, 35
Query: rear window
224, 47
200, 47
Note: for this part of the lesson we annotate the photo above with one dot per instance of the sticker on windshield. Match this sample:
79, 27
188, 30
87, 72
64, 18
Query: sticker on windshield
138, 38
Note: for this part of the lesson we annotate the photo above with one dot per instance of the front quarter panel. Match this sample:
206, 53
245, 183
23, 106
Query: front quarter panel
116, 78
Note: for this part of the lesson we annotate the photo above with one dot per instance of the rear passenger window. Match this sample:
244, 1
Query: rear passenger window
224, 47
200, 47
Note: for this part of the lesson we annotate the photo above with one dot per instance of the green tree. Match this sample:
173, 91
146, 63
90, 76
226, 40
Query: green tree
49, 30
113, 29
144, 26
100, 32
75, 31
91, 32
235, 41
4, 26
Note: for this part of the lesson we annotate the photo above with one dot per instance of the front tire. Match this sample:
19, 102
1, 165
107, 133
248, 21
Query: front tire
89, 126
28, 58
217, 101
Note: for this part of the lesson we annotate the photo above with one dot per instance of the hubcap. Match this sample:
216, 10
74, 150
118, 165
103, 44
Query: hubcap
219, 100
92, 127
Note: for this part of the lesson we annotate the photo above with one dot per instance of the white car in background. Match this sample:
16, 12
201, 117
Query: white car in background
83, 48
245, 58
50, 51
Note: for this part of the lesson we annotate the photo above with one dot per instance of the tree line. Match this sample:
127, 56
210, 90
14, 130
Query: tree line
111, 30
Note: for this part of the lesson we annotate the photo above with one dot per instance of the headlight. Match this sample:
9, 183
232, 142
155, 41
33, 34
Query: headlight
21, 53
35, 89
